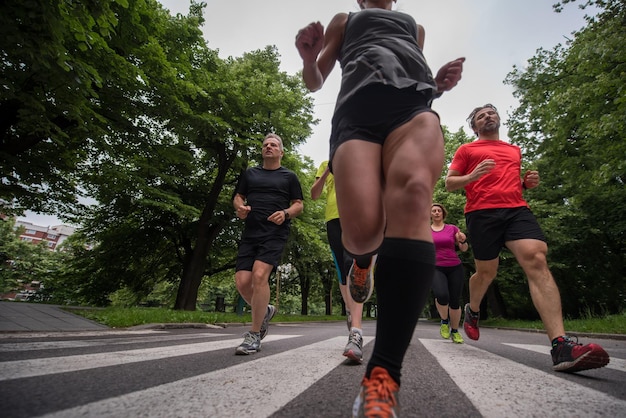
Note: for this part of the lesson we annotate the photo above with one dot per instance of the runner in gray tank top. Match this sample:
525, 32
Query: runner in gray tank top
386, 154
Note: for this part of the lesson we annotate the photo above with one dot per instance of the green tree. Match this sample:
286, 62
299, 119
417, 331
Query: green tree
166, 209
571, 123
71, 73
21, 262
307, 248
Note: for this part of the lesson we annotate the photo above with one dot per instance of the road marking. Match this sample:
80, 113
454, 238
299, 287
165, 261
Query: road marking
258, 387
499, 387
55, 345
46, 366
615, 363
64, 334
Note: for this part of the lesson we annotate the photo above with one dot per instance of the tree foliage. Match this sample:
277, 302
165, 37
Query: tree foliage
122, 103
570, 122
71, 72
165, 189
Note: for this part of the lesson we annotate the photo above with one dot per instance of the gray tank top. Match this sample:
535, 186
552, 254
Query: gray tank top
380, 47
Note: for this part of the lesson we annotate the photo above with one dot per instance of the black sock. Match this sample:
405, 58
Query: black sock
362, 260
404, 274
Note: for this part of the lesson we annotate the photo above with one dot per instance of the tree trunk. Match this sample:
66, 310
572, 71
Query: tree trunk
193, 271
305, 286
327, 283
194, 266
195, 261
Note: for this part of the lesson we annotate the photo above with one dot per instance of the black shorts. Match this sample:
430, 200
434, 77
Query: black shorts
268, 250
333, 231
489, 229
374, 112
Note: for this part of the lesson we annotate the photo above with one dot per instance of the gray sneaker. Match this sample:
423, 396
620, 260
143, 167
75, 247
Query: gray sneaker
251, 344
354, 348
271, 311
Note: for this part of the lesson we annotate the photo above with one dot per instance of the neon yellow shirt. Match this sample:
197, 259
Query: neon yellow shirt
331, 198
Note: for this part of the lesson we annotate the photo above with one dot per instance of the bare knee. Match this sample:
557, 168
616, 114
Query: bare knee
535, 266
486, 271
407, 206
362, 236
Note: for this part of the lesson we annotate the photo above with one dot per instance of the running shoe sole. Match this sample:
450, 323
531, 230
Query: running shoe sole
593, 359
362, 292
352, 356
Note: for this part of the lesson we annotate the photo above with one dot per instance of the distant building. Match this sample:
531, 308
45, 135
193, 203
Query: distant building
53, 236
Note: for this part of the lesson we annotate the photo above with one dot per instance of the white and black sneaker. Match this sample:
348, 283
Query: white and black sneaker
251, 344
354, 348
271, 311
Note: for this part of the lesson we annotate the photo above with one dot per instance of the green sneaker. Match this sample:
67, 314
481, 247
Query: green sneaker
456, 337
445, 331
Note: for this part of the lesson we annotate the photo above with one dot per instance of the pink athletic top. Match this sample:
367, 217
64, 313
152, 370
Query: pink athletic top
444, 241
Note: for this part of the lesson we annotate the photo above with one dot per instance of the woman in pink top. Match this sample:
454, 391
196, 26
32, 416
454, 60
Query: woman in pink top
449, 274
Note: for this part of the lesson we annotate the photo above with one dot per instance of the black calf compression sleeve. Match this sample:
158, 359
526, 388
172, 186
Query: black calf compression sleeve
403, 277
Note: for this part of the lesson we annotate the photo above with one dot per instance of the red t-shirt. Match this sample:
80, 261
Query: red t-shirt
500, 188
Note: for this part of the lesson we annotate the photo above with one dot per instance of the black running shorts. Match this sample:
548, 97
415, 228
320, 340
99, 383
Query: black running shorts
489, 229
268, 250
374, 113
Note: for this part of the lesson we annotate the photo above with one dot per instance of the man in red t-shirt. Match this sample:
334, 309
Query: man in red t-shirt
498, 216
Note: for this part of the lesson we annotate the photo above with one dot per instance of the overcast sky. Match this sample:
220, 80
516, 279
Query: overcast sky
493, 35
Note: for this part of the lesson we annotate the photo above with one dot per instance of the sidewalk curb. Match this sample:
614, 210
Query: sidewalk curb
621, 337
173, 325
221, 325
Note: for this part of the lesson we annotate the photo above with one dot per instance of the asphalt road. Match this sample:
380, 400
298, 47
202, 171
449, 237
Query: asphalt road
299, 373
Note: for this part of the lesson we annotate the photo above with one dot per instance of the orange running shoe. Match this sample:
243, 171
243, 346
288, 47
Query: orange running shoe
361, 281
378, 397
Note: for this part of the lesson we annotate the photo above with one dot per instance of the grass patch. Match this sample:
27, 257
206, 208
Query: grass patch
609, 324
127, 317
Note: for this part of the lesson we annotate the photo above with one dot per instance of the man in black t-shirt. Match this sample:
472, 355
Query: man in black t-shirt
267, 197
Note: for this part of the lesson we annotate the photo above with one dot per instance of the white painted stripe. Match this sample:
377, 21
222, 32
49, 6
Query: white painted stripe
499, 387
54, 345
255, 388
615, 363
64, 334
46, 366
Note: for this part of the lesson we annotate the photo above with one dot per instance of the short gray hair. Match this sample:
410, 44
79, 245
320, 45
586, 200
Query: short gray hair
278, 138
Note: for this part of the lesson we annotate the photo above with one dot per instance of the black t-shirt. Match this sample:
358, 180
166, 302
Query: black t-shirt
267, 191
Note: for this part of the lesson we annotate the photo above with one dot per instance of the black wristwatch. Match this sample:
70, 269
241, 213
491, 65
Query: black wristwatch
286, 213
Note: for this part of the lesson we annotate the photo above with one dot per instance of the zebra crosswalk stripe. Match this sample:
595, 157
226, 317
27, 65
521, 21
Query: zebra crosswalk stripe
499, 387
256, 388
45, 366
125, 340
